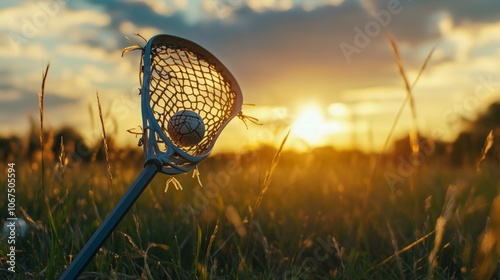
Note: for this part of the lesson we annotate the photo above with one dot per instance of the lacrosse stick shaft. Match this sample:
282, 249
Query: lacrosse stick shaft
111, 221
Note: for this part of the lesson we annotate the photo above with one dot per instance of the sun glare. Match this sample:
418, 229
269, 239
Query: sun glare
338, 110
312, 127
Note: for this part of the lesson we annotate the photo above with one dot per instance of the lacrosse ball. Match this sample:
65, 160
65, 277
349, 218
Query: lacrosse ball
186, 128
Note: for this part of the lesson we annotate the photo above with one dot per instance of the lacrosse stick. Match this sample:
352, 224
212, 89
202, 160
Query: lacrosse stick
177, 75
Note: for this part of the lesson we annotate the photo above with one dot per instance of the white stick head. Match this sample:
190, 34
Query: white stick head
179, 75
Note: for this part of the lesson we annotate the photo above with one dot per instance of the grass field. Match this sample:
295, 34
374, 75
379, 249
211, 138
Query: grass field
371, 150
264, 213
316, 219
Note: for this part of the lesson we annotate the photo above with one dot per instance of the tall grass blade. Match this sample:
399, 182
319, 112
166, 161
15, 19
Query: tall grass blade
41, 96
408, 247
487, 146
105, 142
414, 141
211, 242
424, 65
269, 176
94, 205
394, 243
196, 266
396, 119
488, 254
402, 72
234, 217
61, 166
408, 97
448, 209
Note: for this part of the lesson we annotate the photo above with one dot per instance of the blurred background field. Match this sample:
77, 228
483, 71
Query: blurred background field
357, 190
322, 213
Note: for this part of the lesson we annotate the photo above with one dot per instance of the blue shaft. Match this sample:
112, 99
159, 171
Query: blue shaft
111, 221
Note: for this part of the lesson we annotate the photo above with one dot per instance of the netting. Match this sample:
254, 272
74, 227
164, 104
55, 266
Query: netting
183, 79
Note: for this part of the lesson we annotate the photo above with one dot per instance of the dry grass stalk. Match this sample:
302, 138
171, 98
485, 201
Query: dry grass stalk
396, 120
60, 201
137, 224
94, 205
196, 173
61, 166
211, 242
448, 209
146, 269
340, 253
234, 217
415, 147
398, 115
173, 181
41, 96
394, 243
129, 239
418, 241
105, 142
487, 146
37, 225
488, 254
269, 176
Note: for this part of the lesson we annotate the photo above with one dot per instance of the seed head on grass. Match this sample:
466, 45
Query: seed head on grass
41, 96
448, 209
211, 242
414, 133
487, 146
62, 161
105, 141
401, 108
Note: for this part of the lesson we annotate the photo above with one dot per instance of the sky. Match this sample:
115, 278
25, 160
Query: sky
323, 68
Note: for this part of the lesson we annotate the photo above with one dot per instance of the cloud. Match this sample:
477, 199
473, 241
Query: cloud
87, 53
127, 28
263, 5
165, 8
260, 6
46, 20
17, 58
481, 11
9, 94
26, 101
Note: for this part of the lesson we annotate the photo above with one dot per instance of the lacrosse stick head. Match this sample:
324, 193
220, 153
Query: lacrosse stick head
178, 75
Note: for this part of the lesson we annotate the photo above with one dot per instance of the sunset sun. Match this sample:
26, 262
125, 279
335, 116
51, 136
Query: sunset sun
312, 126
